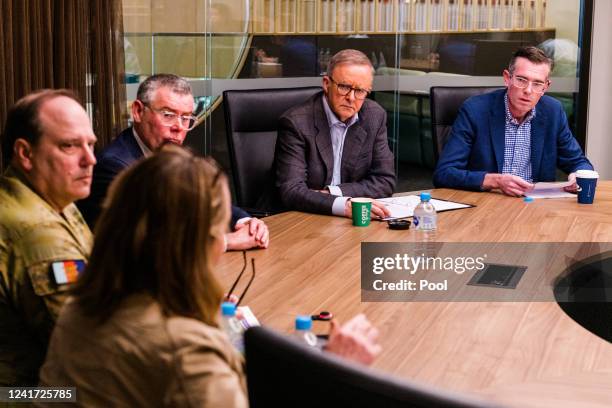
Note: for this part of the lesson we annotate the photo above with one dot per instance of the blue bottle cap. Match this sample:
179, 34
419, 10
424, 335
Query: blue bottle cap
425, 196
528, 199
228, 309
303, 323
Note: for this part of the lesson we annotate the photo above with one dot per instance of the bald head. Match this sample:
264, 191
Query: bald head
63, 114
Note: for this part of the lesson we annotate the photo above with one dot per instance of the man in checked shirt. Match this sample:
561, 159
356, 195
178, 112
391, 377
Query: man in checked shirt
511, 138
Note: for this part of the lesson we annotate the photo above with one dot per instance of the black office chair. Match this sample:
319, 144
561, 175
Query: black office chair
283, 373
251, 122
445, 102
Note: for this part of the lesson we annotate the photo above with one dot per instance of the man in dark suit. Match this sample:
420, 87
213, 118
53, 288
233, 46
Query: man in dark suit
162, 113
512, 138
334, 146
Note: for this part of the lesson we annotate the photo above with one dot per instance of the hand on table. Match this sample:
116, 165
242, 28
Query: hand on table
573, 187
378, 210
355, 340
509, 184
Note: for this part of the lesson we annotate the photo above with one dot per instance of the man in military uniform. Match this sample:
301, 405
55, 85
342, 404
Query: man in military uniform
47, 149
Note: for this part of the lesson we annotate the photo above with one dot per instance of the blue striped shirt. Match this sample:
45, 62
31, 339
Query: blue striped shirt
517, 147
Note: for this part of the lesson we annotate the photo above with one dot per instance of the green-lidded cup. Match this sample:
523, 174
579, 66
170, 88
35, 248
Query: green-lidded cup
362, 211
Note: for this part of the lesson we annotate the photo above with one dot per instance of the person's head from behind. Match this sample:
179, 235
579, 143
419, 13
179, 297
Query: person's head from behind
527, 78
160, 233
347, 83
163, 110
49, 139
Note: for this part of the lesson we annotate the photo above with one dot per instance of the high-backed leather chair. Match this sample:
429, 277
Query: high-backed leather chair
284, 373
251, 122
444, 103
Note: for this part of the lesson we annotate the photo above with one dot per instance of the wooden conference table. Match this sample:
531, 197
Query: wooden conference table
519, 354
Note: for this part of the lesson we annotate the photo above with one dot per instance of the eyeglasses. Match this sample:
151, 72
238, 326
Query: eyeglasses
169, 118
244, 257
522, 83
344, 89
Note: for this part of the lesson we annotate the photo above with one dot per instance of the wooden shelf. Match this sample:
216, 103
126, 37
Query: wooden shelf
395, 16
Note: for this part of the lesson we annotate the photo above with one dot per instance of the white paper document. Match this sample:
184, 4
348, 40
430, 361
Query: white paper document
402, 207
551, 190
248, 317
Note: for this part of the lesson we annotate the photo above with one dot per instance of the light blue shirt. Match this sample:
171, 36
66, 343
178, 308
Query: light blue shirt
337, 130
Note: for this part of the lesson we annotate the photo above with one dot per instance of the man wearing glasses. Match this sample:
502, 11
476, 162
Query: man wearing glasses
162, 113
511, 138
334, 146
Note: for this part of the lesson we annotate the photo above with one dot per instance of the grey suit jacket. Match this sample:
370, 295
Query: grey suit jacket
304, 157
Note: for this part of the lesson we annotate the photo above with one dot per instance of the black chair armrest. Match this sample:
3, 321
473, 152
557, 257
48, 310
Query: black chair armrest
259, 213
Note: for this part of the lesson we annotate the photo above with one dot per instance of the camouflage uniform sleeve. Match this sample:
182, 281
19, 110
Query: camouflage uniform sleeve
32, 237
58, 240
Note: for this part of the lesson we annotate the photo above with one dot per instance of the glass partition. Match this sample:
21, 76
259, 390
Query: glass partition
414, 44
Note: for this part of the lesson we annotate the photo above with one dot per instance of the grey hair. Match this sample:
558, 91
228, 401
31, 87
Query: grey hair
533, 54
348, 56
153, 83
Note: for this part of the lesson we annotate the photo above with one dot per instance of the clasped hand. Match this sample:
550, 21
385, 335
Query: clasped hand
250, 234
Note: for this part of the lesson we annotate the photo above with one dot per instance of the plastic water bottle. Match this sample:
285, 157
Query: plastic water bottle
425, 217
232, 326
425, 220
303, 331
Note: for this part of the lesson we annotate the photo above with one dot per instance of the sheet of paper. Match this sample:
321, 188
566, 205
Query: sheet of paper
551, 190
552, 193
559, 185
248, 317
403, 207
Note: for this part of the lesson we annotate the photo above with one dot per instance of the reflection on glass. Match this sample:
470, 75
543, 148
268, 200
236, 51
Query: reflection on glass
385, 15
466, 16
532, 14
263, 16
519, 15
405, 15
436, 16
138, 56
482, 15
287, 14
420, 16
307, 16
224, 17
327, 16
452, 22
507, 14
496, 19
365, 23
543, 14
346, 15
181, 55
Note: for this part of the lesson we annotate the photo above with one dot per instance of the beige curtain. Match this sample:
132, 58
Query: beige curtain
75, 44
